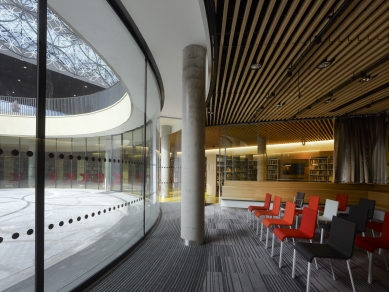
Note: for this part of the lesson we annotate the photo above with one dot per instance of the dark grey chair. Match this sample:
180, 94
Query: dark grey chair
339, 246
298, 200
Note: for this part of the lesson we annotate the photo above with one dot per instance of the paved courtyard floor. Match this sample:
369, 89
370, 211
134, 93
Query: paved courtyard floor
74, 219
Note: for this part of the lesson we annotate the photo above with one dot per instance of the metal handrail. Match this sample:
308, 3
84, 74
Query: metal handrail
25, 106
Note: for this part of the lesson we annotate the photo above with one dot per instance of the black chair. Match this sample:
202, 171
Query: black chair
299, 201
370, 204
358, 215
339, 246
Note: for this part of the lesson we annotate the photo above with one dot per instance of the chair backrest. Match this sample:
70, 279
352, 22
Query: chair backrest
277, 205
300, 199
330, 208
385, 227
314, 202
308, 221
370, 204
342, 199
289, 212
267, 201
358, 215
342, 236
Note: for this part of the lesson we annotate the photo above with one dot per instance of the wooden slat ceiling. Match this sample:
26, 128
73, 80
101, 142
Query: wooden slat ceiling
283, 34
275, 133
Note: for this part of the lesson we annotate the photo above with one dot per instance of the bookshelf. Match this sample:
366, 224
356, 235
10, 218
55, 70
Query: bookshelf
272, 169
321, 169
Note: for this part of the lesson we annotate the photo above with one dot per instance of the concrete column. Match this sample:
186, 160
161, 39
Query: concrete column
261, 163
165, 159
193, 136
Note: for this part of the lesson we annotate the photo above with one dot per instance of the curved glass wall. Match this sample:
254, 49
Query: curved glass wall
101, 148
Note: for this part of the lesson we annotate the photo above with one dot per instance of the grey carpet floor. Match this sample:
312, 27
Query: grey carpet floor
232, 259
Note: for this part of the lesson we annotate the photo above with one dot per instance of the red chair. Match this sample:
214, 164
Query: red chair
117, 178
273, 212
287, 220
52, 176
265, 207
342, 199
68, 177
85, 177
100, 178
306, 230
313, 204
16, 177
372, 243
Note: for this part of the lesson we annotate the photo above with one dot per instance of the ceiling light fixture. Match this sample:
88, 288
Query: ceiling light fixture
256, 66
271, 94
331, 99
367, 78
281, 104
325, 63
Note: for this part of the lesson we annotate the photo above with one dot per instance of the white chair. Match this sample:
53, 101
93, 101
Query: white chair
330, 209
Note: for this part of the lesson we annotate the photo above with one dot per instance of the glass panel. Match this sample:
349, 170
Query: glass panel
92, 163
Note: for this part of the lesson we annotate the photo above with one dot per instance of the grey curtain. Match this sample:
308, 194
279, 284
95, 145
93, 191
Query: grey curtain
360, 149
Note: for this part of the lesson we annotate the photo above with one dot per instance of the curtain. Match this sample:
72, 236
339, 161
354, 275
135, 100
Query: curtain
360, 149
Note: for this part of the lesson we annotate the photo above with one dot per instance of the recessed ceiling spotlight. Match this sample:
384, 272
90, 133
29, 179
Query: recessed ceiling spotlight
86, 86
325, 63
13, 91
256, 66
281, 104
19, 80
24, 67
74, 95
329, 100
367, 78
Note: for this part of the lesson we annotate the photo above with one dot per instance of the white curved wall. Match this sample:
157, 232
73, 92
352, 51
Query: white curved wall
70, 126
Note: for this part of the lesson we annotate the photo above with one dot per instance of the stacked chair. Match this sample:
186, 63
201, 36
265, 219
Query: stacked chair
370, 244
274, 212
330, 210
287, 220
265, 207
340, 246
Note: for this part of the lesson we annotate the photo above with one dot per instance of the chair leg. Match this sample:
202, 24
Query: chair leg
369, 276
257, 224
321, 236
261, 230
386, 263
280, 262
332, 271
351, 275
315, 258
308, 276
267, 236
294, 264
297, 221
272, 246
248, 213
372, 231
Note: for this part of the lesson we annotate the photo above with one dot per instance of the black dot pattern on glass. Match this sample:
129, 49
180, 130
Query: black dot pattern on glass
99, 159
109, 209
51, 226
70, 157
15, 152
110, 160
118, 161
30, 231
105, 211
86, 158
61, 156
70, 221
15, 235
51, 155
29, 153
86, 216
99, 212
61, 223
1, 239
122, 205
78, 218
1, 151
114, 160
125, 204
93, 159
78, 157
93, 214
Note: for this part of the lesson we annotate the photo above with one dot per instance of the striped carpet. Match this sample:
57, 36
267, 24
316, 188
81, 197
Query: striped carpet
233, 259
